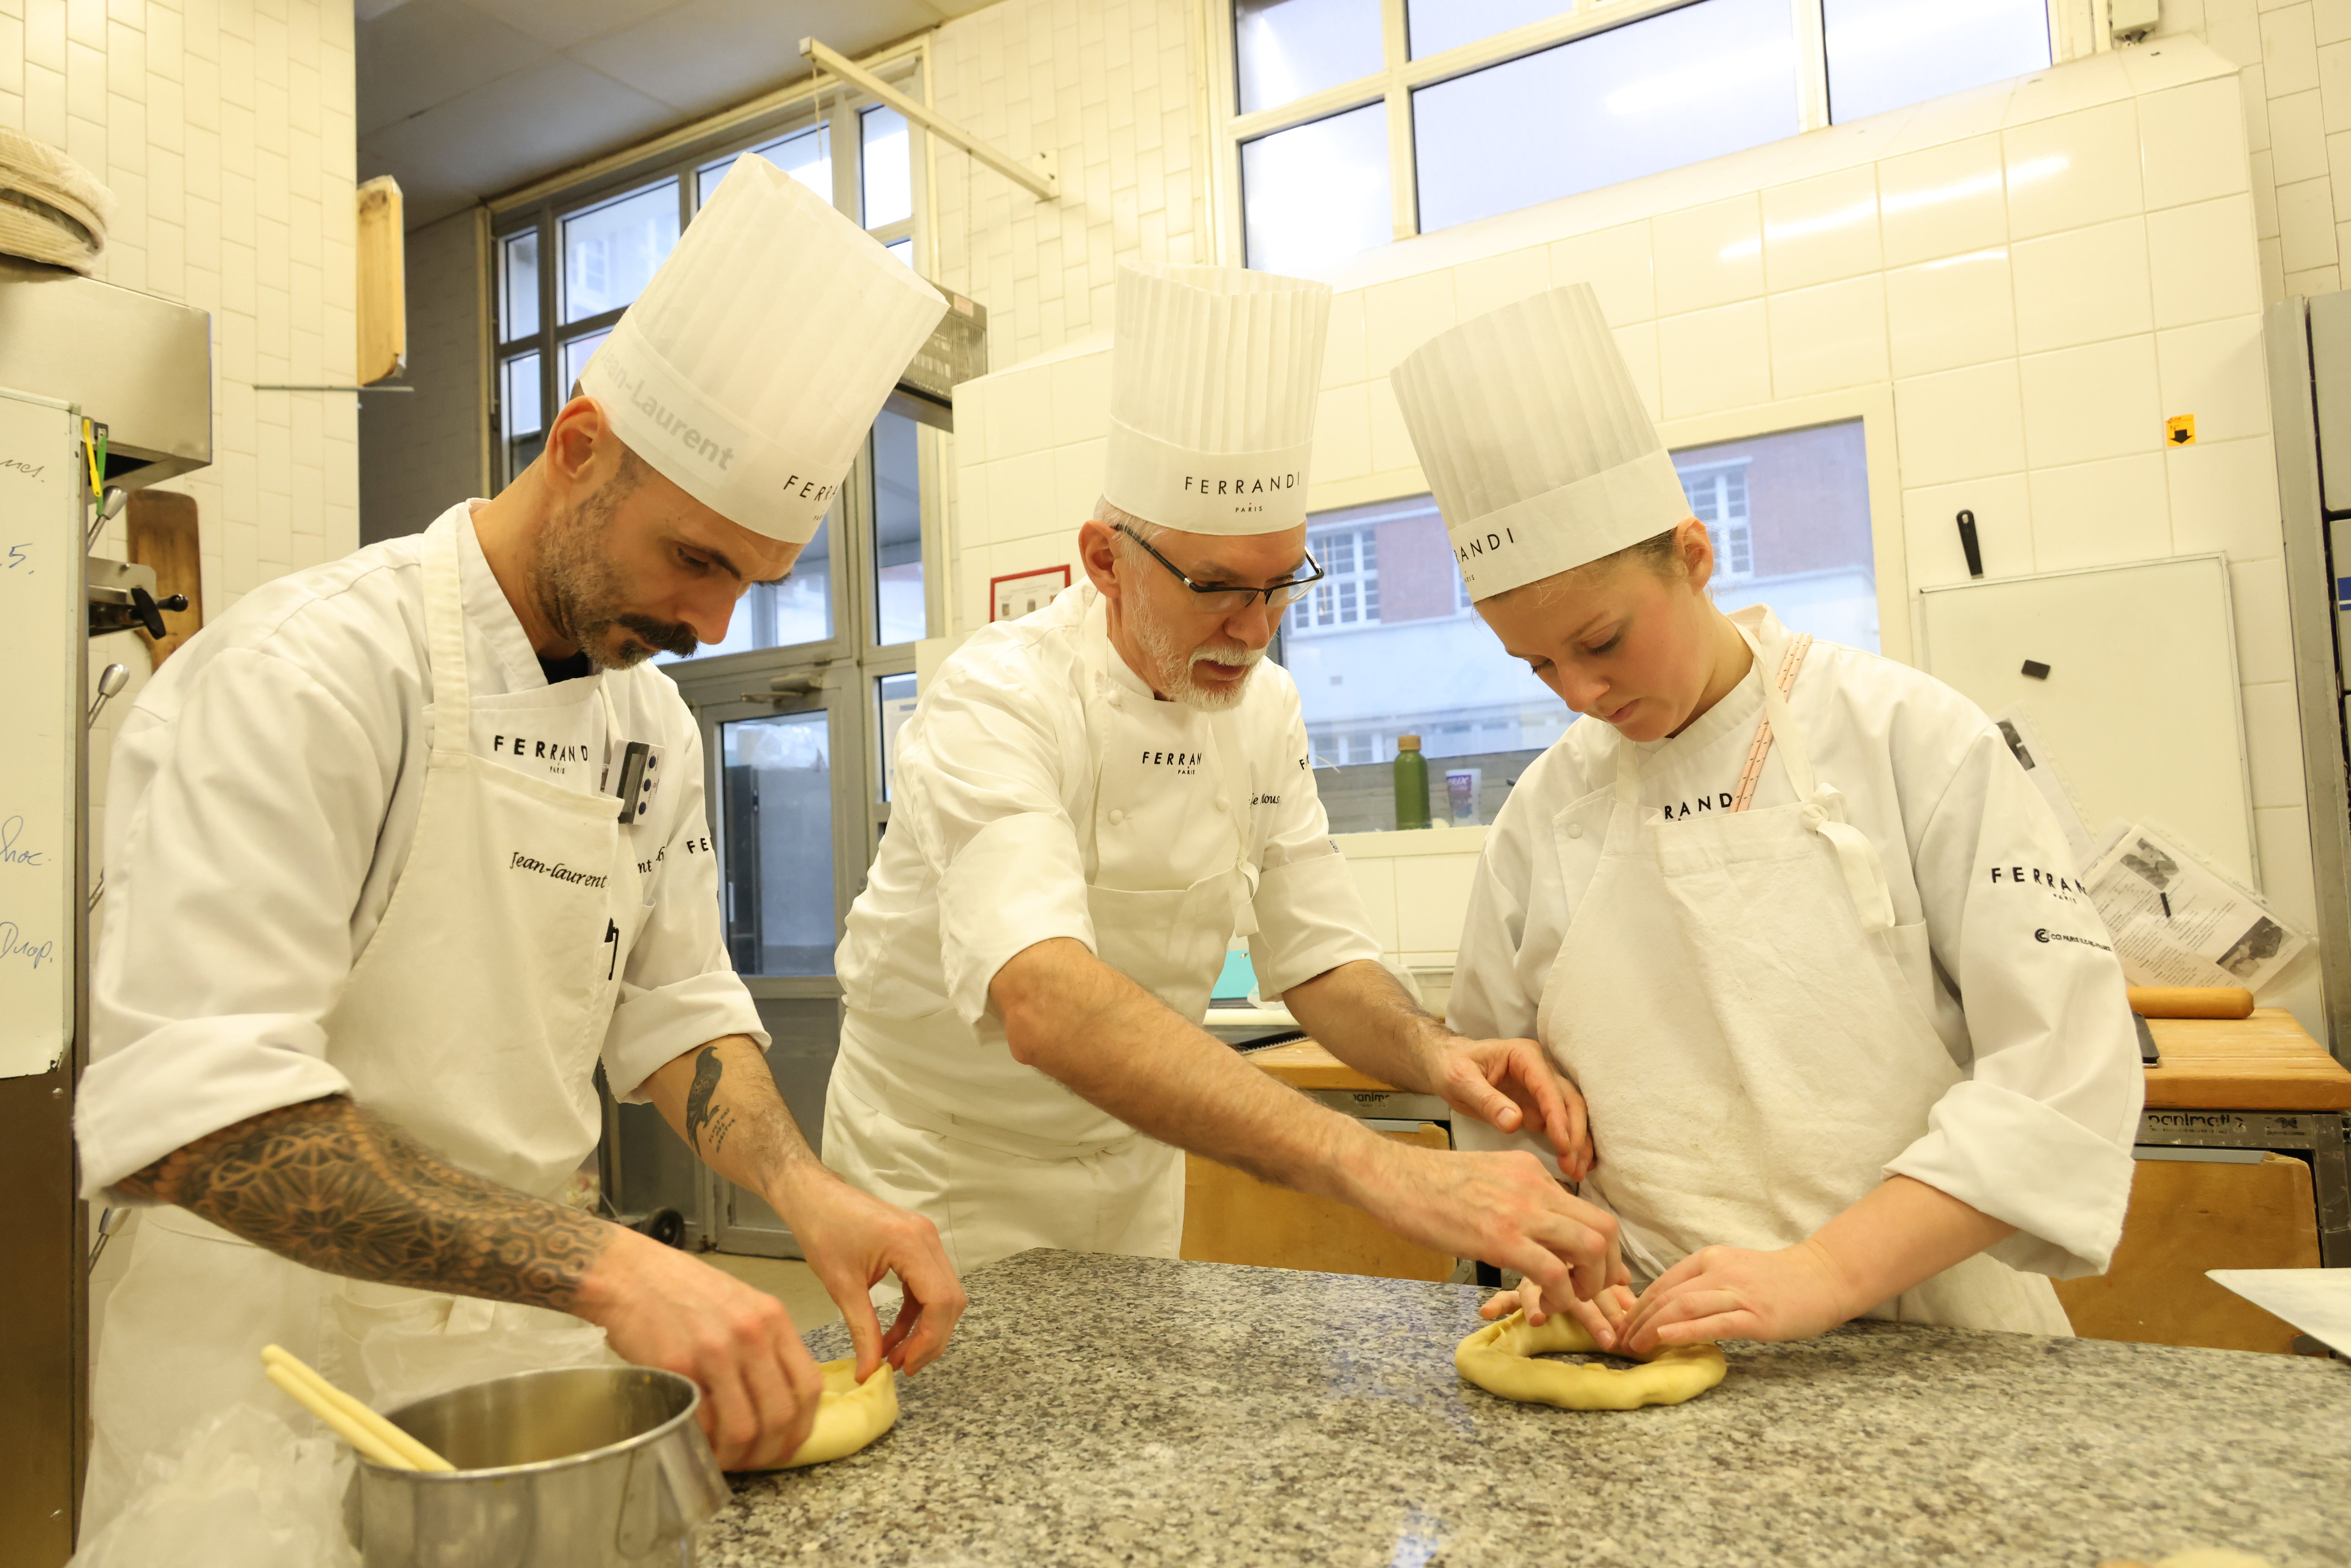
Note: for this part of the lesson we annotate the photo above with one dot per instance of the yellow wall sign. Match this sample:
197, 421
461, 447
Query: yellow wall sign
2180, 430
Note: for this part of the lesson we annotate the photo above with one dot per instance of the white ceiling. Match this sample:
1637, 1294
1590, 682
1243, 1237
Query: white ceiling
459, 100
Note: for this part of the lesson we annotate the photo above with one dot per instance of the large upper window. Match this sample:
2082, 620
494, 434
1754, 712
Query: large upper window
1356, 121
1388, 643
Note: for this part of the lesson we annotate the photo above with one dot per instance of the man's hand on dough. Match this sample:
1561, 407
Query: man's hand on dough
1510, 1085
1504, 1209
852, 1240
1615, 1304
659, 1307
1730, 1292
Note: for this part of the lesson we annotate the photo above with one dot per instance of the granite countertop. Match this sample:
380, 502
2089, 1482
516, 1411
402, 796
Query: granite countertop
1097, 1409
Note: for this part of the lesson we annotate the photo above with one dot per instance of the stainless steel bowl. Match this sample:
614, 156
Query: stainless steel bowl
583, 1467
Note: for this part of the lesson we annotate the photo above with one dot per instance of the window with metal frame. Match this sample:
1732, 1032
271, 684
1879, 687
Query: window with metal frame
1718, 497
798, 704
1348, 591
1348, 123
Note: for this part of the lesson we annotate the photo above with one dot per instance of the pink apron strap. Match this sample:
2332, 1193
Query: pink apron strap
1797, 645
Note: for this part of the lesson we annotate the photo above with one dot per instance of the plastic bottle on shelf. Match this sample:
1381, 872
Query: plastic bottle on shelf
1411, 783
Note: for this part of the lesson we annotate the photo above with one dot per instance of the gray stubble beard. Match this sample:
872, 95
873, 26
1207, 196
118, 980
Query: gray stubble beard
1174, 666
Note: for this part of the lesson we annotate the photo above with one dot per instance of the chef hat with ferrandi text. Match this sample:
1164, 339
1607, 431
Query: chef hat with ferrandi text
1535, 441
1214, 375
750, 369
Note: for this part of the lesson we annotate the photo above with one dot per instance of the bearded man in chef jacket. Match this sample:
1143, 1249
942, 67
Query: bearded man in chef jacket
375, 913
1090, 802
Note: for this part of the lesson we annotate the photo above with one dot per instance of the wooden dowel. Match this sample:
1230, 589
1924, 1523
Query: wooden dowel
339, 1421
415, 1455
2191, 1001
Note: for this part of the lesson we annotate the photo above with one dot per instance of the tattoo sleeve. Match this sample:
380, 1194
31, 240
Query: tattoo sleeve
335, 1186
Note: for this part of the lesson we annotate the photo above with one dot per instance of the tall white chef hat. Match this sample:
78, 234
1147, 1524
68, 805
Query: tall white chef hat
1214, 374
1535, 441
751, 367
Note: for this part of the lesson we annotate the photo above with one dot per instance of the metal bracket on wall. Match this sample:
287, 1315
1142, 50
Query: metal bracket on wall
1037, 175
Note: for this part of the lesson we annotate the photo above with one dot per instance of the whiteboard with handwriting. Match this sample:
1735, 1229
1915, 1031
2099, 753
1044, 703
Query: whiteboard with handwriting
42, 628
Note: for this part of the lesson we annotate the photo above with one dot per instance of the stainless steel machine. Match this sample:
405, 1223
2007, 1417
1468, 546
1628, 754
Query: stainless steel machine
102, 389
2309, 350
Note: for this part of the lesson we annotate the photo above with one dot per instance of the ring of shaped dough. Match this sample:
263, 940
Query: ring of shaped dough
1498, 1358
850, 1415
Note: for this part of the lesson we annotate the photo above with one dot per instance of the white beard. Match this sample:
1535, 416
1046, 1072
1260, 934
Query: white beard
1175, 667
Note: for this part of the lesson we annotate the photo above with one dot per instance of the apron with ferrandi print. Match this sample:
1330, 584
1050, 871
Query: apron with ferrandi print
1172, 885
473, 1020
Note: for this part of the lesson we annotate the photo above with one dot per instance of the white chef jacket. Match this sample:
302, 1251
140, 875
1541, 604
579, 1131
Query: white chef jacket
263, 798
2028, 996
991, 849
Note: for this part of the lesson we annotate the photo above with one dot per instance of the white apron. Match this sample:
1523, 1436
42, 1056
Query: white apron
1749, 1027
473, 1020
1171, 888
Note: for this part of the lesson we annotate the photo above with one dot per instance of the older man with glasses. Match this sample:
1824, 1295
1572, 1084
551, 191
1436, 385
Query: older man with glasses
1090, 802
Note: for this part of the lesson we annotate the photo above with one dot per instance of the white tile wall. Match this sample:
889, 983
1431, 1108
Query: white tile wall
223, 127
1109, 88
1942, 201
1415, 890
2040, 275
2294, 71
2082, 286
224, 130
1944, 314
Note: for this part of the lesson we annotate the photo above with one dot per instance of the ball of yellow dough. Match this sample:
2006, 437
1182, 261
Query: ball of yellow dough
1500, 1359
850, 1415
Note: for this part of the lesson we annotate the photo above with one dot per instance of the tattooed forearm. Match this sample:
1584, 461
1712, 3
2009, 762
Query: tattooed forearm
722, 1099
701, 1114
331, 1185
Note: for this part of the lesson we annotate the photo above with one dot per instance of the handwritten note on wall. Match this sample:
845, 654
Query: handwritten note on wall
40, 730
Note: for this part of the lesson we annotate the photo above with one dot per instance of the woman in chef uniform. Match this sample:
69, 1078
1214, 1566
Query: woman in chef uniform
1853, 1040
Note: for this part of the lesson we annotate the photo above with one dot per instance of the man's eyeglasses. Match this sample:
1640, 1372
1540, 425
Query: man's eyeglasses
1216, 598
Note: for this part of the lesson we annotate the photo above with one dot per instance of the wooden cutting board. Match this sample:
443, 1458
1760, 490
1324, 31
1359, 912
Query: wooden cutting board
2265, 1062
163, 535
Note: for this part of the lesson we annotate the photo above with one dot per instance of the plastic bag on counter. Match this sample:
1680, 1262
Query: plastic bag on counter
448, 1342
242, 1491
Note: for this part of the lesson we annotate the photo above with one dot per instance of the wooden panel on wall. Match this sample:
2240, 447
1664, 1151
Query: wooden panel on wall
382, 282
163, 535
1232, 1217
2188, 1215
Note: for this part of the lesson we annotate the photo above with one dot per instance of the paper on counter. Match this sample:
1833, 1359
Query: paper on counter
2315, 1300
2177, 922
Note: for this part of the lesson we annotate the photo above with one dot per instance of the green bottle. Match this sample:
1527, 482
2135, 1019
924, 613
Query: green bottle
1411, 783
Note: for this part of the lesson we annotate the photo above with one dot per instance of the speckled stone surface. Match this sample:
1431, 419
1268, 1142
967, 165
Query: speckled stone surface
1096, 1410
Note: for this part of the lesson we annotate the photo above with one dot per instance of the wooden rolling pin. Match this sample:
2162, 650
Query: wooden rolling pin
2191, 1001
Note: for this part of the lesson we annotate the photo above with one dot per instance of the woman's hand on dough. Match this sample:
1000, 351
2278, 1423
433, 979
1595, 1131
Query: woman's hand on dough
1730, 1292
1510, 1085
852, 1240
